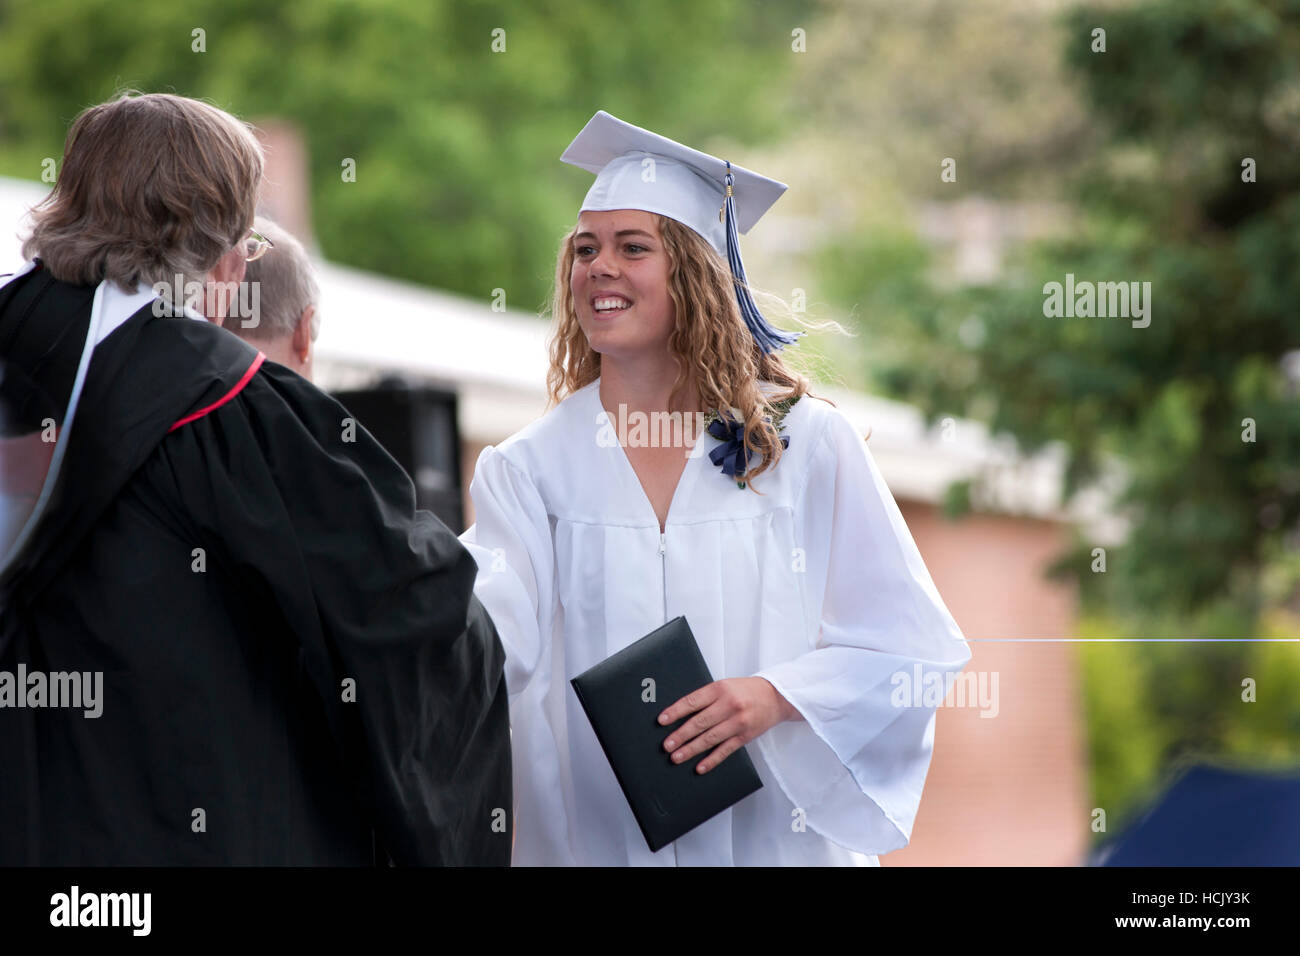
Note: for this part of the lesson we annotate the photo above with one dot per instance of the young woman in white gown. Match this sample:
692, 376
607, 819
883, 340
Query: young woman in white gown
804, 588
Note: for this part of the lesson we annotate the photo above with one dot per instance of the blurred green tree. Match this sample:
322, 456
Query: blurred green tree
1178, 159
1194, 188
456, 145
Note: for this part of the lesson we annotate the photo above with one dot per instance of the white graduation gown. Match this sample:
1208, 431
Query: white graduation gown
816, 585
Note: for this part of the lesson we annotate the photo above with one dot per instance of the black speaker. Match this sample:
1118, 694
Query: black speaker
417, 425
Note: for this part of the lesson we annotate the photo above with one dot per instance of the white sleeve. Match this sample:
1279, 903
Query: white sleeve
857, 762
511, 542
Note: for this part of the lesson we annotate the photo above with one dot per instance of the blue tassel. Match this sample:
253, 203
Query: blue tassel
768, 337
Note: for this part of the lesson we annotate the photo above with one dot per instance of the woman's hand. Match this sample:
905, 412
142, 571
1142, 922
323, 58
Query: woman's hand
728, 714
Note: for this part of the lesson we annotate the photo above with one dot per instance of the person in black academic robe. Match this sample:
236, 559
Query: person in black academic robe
295, 669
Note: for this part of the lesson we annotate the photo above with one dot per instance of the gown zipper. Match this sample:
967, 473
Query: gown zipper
663, 566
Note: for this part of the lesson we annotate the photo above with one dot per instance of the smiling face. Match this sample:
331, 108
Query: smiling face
619, 282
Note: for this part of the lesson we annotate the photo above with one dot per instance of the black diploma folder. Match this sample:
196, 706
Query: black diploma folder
667, 799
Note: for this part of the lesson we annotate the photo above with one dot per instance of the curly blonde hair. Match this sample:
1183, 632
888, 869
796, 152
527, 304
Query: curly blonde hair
709, 342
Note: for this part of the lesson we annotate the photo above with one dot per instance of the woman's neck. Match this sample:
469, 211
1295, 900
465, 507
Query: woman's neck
643, 386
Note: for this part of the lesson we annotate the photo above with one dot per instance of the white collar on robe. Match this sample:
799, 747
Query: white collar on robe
118, 306
114, 305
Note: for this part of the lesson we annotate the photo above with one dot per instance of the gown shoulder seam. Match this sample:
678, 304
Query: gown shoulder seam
823, 435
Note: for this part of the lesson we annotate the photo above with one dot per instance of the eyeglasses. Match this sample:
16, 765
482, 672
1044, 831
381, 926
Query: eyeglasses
255, 246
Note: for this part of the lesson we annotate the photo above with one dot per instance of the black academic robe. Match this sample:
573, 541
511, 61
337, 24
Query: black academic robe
295, 669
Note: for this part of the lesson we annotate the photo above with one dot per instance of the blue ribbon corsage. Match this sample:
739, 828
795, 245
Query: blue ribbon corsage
731, 455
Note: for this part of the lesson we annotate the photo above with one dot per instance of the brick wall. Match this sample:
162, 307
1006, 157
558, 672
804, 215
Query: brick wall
1009, 789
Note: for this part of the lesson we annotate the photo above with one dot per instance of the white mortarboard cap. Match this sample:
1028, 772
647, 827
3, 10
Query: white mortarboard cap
638, 169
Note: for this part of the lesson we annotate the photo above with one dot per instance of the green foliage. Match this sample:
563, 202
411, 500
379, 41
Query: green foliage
1170, 400
458, 183
1154, 708
1125, 735
1185, 92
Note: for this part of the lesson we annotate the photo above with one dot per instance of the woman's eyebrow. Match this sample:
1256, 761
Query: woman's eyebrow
621, 232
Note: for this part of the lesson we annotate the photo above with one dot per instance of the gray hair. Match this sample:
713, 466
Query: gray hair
287, 285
